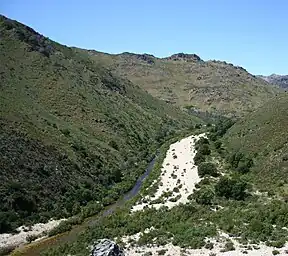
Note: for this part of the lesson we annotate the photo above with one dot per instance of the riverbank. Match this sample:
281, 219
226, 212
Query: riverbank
25, 234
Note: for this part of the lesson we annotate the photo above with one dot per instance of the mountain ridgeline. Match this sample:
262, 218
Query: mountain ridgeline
71, 132
187, 81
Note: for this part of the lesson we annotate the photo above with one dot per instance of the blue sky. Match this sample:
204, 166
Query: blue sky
249, 33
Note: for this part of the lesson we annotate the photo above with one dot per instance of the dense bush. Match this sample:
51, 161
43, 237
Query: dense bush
91, 209
240, 162
218, 144
207, 168
199, 158
204, 149
201, 141
220, 128
204, 195
5, 222
231, 188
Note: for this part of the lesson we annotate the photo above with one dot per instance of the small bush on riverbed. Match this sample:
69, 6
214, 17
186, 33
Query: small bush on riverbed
31, 238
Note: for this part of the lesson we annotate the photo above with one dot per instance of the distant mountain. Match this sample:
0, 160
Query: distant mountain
188, 81
280, 80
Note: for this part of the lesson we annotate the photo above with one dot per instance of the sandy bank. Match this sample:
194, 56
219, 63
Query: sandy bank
39, 230
179, 176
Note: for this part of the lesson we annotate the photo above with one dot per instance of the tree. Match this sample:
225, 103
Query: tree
244, 165
202, 141
204, 149
5, 224
241, 162
204, 195
231, 188
218, 144
199, 158
113, 144
207, 168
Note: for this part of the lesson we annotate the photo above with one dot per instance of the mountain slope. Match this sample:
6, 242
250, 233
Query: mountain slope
188, 81
263, 135
281, 81
71, 132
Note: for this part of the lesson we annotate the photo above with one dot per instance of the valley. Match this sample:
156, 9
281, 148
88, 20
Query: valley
164, 156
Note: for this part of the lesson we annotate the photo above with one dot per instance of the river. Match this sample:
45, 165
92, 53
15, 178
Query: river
36, 248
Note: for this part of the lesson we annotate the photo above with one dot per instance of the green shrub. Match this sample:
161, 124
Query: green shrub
204, 149
231, 188
91, 209
209, 246
220, 128
65, 132
201, 142
113, 144
5, 222
229, 246
199, 158
148, 254
207, 168
275, 252
204, 196
240, 162
31, 238
162, 252
244, 165
176, 189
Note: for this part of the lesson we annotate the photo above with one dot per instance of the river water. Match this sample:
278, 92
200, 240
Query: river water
37, 247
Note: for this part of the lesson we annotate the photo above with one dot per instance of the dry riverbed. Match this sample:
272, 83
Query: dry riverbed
178, 178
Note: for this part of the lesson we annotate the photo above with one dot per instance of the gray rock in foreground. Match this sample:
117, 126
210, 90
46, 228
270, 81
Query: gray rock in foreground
106, 247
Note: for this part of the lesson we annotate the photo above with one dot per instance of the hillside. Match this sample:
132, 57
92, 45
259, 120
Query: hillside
188, 81
281, 81
70, 131
263, 136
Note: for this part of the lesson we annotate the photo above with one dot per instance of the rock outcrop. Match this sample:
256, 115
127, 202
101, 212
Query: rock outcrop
184, 57
106, 247
281, 81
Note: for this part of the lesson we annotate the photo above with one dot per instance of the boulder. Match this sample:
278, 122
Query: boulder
106, 247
